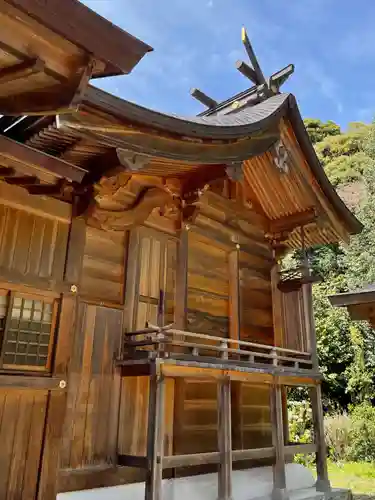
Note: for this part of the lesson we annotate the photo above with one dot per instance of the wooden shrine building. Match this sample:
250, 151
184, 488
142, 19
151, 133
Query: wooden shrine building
146, 328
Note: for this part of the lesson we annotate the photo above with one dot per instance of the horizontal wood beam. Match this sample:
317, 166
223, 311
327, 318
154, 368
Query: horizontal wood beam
290, 222
6, 171
194, 459
191, 460
34, 383
21, 70
97, 476
19, 198
22, 180
203, 98
119, 49
133, 461
34, 158
174, 370
47, 189
255, 454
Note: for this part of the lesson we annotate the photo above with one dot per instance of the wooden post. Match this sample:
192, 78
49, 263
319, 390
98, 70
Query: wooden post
181, 280
225, 440
57, 444
277, 307
279, 476
310, 323
155, 438
234, 294
322, 483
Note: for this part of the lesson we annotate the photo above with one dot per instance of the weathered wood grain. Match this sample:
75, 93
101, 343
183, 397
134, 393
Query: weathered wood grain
21, 434
32, 246
103, 266
91, 387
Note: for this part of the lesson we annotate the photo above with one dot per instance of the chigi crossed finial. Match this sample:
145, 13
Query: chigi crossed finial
264, 87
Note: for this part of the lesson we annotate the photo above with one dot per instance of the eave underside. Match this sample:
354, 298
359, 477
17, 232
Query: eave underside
47, 62
171, 151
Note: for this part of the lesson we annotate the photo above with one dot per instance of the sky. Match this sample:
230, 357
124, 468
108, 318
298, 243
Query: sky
197, 42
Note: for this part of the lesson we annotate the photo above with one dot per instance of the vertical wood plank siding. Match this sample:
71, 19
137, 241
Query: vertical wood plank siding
92, 387
294, 324
22, 419
256, 324
31, 246
208, 287
103, 273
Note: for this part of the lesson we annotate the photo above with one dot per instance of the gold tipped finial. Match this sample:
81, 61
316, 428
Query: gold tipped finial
243, 34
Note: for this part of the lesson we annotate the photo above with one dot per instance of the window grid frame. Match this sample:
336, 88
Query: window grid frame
34, 297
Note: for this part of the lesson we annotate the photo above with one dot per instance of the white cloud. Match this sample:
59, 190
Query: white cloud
320, 79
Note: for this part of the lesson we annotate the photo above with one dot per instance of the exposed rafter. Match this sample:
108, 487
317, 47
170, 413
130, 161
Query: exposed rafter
21, 70
253, 59
203, 98
265, 86
10, 149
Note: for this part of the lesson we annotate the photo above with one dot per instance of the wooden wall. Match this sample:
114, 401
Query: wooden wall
295, 334
32, 247
90, 435
22, 421
35, 257
208, 286
103, 266
256, 322
116, 289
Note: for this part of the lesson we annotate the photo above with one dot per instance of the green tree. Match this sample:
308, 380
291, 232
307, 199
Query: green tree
318, 130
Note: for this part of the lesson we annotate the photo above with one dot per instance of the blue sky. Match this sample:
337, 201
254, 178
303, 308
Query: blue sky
197, 42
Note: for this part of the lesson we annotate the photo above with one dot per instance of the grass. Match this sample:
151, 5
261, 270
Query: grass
358, 477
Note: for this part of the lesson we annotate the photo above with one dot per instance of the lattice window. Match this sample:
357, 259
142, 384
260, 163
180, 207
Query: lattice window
26, 331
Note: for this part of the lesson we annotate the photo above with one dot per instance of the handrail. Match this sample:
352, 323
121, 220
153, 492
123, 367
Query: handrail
170, 329
161, 340
213, 457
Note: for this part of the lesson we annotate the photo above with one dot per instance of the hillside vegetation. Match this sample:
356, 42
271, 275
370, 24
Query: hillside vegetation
346, 348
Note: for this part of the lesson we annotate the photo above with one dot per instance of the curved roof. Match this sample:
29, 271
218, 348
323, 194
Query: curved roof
248, 121
213, 139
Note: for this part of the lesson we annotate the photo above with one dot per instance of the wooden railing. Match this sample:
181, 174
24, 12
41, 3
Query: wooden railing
168, 342
214, 457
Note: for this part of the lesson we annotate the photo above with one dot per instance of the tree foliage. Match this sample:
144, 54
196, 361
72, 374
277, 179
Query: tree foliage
345, 157
346, 349
318, 130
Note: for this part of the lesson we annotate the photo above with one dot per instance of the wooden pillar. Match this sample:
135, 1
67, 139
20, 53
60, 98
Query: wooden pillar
181, 280
56, 444
155, 438
279, 476
234, 294
224, 440
322, 483
277, 307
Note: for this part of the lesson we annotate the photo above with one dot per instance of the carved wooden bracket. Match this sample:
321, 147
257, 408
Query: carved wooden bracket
131, 216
